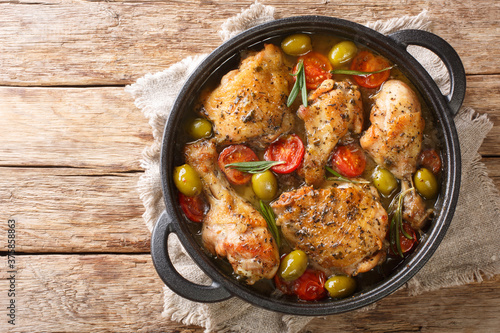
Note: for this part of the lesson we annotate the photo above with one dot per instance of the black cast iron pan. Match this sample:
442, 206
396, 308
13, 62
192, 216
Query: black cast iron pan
225, 58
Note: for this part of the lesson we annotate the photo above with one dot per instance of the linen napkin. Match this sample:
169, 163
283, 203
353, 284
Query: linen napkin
471, 240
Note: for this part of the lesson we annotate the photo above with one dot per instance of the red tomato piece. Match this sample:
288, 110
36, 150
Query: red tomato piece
366, 61
317, 68
405, 243
430, 159
349, 160
235, 154
310, 286
194, 208
288, 148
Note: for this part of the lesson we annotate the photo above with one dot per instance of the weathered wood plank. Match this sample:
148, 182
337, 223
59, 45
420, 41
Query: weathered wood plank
101, 42
72, 293
77, 127
63, 210
68, 211
482, 95
102, 128
493, 166
86, 201
122, 293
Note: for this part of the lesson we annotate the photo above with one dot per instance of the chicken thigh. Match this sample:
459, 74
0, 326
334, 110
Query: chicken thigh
394, 139
335, 109
414, 210
341, 228
249, 105
232, 228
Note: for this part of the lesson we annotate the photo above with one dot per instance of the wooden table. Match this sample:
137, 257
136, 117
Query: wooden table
72, 139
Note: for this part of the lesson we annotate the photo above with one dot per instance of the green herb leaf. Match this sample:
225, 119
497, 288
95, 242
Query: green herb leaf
339, 177
353, 72
254, 166
303, 84
407, 235
293, 94
396, 209
268, 215
300, 85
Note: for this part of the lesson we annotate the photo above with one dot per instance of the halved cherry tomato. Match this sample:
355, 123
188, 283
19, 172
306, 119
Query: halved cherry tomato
234, 154
317, 68
288, 148
310, 286
430, 159
366, 61
406, 243
194, 208
349, 160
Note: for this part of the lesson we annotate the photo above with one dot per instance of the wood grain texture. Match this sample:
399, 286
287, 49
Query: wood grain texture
67, 210
63, 210
481, 95
75, 127
101, 128
85, 293
69, 158
122, 293
74, 210
100, 42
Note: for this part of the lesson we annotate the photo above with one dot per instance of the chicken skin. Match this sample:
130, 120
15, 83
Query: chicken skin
394, 139
232, 228
414, 210
341, 227
335, 109
249, 105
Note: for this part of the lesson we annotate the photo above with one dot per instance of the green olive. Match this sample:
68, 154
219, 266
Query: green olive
265, 185
296, 45
293, 265
384, 181
342, 53
426, 183
200, 128
340, 286
187, 180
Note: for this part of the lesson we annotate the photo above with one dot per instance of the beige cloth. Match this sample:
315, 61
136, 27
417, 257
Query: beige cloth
468, 253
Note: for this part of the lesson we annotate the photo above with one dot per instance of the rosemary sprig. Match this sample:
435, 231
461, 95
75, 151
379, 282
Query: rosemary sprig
359, 73
268, 215
339, 177
300, 85
254, 166
397, 221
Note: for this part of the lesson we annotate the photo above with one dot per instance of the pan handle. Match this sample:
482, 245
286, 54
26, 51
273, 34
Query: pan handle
166, 270
446, 53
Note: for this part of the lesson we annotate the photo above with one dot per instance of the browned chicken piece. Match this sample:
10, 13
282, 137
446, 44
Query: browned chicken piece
336, 108
232, 228
394, 139
249, 105
414, 210
341, 227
